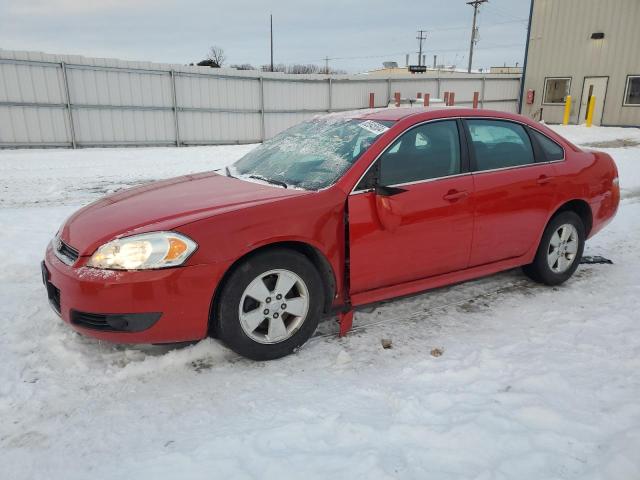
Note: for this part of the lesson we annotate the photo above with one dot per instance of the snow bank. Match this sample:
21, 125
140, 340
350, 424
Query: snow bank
533, 383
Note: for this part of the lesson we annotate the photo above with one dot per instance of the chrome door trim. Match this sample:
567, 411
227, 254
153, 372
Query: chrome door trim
480, 172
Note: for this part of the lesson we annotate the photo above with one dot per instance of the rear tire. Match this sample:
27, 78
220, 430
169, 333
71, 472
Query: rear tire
270, 305
560, 250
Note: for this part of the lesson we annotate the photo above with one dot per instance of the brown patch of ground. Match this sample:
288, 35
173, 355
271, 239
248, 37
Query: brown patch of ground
618, 143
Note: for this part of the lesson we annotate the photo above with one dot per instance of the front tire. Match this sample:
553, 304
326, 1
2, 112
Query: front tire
270, 305
560, 250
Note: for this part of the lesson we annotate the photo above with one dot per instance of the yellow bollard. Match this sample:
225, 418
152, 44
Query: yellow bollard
567, 111
590, 108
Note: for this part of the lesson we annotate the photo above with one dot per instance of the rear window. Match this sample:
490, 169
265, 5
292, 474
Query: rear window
551, 149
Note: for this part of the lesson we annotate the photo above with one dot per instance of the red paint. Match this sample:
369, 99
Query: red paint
476, 99
397, 98
345, 320
435, 233
404, 221
372, 102
426, 99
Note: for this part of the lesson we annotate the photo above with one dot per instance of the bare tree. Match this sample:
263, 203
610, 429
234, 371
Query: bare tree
298, 68
216, 56
244, 66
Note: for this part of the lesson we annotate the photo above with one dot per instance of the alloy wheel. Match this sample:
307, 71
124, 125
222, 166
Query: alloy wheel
274, 306
563, 248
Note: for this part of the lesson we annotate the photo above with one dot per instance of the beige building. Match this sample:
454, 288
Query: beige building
584, 48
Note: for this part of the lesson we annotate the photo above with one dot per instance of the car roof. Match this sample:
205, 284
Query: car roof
427, 113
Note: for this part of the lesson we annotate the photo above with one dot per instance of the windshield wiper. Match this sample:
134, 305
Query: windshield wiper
228, 172
269, 180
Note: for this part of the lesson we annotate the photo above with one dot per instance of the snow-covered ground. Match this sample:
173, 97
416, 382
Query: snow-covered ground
533, 382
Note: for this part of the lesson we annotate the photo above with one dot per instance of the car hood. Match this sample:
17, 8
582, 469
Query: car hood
164, 205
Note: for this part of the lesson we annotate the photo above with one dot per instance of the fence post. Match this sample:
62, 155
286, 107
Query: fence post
396, 96
330, 92
426, 99
446, 98
476, 96
72, 129
262, 126
482, 90
372, 101
452, 99
172, 73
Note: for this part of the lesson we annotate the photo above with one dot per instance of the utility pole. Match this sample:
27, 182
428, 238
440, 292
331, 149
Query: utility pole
474, 31
271, 29
422, 35
326, 65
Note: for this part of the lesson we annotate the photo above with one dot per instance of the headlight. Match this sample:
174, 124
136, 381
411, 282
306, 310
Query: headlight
141, 252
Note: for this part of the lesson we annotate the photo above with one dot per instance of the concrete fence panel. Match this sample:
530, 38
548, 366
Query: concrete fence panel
71, 101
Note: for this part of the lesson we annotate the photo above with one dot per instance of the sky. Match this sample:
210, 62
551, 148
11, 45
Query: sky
356, 35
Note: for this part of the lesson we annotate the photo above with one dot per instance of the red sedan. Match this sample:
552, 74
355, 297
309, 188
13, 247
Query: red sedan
332, 214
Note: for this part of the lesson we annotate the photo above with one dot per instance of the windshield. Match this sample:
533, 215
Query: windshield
311, 155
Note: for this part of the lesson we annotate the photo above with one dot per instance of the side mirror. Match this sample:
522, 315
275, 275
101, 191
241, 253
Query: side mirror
388, 191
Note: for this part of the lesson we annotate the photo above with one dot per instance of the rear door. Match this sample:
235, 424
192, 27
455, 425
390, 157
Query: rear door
514, 190
419, 222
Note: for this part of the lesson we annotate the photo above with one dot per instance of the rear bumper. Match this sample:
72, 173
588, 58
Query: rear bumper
153, 306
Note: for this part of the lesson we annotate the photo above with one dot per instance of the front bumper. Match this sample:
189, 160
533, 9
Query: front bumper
148, 306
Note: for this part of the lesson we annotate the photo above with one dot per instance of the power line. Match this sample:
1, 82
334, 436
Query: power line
474, 31
446, 50
464, 27
501, 12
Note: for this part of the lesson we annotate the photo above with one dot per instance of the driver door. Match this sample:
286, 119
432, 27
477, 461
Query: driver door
411, 216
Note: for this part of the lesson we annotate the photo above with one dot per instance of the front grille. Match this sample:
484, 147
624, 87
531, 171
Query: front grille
65, 253
115, 322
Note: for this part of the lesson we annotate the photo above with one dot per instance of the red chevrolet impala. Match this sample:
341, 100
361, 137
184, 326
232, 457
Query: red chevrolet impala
332, 214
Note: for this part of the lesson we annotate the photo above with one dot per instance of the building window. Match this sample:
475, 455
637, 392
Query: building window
632, 92
556, 90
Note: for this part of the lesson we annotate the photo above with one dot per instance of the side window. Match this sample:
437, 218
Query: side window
556, 90
552, 151
499, 144
428, 151
632, 91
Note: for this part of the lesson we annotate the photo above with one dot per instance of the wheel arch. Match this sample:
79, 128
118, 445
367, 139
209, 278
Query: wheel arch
581, 208
317, 258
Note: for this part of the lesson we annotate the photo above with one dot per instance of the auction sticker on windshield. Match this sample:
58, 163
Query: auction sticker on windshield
374, 127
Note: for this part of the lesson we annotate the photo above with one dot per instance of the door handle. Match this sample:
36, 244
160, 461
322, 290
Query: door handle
455, 195
543, 179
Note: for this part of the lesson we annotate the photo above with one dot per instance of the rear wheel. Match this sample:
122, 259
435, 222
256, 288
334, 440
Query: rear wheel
270, 305
560, 250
